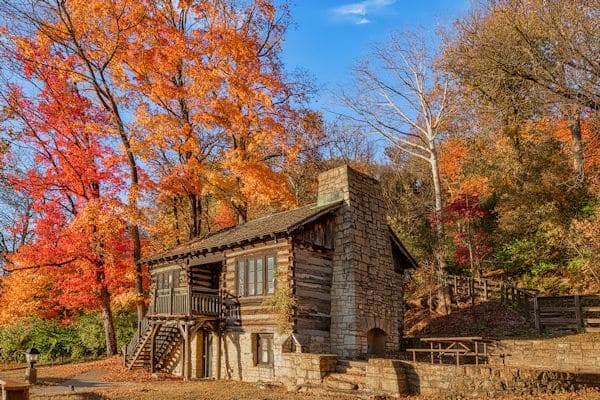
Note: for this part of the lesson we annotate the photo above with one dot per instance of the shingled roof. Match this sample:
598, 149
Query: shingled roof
271, 225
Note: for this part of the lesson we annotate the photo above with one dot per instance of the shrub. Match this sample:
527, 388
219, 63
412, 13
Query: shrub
83, 337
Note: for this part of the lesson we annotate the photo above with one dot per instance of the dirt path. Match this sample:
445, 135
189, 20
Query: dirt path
85, 382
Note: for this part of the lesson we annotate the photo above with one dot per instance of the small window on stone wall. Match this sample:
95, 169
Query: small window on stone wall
263, 349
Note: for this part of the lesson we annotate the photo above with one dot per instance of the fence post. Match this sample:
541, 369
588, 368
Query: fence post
578, 315
456, 287
473, 291
536, 314
485, 289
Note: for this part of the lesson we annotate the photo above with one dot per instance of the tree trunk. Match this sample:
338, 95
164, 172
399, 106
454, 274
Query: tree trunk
578, 159
133, 228
109, 325
444, 303
438, 211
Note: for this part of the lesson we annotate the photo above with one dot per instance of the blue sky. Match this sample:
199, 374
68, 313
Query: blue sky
328, 36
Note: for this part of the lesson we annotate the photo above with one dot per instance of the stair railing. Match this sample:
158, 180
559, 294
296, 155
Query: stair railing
131, 347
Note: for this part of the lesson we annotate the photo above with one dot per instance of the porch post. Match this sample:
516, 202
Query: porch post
153, 348
188, 352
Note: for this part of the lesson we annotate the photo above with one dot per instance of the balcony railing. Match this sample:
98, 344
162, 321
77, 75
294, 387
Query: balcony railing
180, 302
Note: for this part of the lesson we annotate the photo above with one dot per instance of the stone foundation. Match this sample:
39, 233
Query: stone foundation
548, 354
306, 369
238, 359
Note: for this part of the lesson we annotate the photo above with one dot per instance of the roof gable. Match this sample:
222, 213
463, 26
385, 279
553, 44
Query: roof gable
284, 222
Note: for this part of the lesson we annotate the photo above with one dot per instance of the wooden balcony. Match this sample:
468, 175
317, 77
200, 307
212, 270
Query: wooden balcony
181, 302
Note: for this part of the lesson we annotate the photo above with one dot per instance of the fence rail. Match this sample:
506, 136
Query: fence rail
567, 312
474, 289
179, 301
576, 312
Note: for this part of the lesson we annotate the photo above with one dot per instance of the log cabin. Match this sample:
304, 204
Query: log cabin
324, 279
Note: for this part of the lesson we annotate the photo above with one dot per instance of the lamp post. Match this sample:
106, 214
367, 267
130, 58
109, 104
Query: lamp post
32, 355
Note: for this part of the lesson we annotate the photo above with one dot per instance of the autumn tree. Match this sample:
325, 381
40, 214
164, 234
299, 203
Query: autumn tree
79, 234
527, 58
214, 111
92, 37
401, 96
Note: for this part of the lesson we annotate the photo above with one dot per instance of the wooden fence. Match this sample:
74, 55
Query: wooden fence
567, 313
472, 289
550, 313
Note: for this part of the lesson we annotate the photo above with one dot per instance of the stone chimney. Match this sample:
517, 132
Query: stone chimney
366, 293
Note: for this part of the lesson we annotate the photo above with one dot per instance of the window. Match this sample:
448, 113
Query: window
251, 277
256, 275
170, 279
264, 349
241, 275
270, 274
260, 276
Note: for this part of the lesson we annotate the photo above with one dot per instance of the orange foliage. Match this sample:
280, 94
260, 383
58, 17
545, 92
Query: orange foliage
80, 242
26, 293
454, 153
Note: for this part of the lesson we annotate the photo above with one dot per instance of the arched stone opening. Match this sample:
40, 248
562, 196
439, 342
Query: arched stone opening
376, 339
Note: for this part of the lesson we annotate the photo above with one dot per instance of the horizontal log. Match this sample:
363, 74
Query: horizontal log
557, 309
591, 309
592, 320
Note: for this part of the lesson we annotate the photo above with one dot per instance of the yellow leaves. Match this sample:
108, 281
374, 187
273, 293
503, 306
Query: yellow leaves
24, 293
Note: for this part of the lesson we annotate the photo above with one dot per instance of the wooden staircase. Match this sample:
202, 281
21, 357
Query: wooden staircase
167, 341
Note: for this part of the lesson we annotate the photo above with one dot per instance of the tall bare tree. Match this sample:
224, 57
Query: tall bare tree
401, 95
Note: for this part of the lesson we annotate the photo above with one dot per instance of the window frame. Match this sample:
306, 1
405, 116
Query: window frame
261, 338
265, 290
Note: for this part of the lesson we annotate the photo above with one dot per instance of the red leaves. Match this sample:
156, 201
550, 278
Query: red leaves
75, 185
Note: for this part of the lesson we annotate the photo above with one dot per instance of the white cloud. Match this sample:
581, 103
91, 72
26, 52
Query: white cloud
357, 12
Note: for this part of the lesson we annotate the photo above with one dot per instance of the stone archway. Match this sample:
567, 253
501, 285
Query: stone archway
376, 339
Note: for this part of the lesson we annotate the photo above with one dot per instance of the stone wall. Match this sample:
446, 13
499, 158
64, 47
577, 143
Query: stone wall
399, 377
551, 354
238, 359
480, 381
366, 292
306, 368
386, 376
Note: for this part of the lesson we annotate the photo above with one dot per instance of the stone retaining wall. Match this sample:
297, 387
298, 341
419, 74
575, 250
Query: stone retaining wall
399, 377
548, 354
386, 376
306, 368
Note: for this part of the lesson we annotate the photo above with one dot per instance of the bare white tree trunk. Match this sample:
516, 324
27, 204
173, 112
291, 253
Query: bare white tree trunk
405, 99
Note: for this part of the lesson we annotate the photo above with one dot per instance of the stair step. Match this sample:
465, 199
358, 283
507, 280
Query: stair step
340, 382
351, 367
352, 363
350, 370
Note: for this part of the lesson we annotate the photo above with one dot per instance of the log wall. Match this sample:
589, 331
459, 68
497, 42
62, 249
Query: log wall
312, 273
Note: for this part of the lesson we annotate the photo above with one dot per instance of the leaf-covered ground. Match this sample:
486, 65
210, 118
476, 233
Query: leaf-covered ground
139, 385
490, 319
211, 390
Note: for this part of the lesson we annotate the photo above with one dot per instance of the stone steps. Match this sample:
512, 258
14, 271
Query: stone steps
343, 382
351, 367
350, 375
